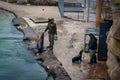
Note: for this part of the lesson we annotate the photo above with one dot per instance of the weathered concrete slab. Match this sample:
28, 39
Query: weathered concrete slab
29, 34
39, 20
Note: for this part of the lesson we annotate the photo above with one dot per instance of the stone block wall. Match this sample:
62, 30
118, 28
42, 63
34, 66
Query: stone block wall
33, 2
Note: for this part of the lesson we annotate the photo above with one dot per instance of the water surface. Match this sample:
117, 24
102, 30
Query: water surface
16, 62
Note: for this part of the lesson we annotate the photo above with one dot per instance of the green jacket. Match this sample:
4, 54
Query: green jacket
52, 29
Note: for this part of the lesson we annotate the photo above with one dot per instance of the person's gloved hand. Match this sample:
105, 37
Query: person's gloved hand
55, 37
43, 31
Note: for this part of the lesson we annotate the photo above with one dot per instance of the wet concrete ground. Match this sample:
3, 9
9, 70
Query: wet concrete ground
70, 39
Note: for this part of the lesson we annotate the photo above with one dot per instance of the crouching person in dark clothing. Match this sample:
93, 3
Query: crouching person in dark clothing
52, 32
92, 48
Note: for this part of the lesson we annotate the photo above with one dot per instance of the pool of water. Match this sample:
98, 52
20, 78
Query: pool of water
16, 62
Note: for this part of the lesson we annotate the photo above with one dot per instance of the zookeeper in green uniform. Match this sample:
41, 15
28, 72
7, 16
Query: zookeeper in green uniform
52, 32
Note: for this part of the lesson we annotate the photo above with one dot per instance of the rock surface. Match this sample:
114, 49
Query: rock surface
113, 42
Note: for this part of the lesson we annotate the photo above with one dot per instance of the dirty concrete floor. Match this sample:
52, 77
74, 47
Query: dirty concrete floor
70, 39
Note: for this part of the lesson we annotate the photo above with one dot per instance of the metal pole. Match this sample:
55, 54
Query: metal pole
84, 3
87, 10
61, 6
78, 15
